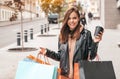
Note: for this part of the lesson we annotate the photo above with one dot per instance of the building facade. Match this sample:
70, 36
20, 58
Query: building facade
108, 11
5, 12
31, 9
112, 14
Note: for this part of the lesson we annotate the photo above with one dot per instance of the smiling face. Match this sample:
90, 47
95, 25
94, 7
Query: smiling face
70, 25
73, 20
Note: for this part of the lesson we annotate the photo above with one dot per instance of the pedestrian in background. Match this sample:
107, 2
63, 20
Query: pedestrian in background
75, 43
90, 16
83, 19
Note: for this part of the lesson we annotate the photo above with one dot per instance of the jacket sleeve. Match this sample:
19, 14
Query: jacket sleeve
93, 51
92, 47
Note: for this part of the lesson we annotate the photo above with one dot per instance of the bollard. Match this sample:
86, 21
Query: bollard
48, 27
45, 29
25, 36
18, 39
31, 33
41, 29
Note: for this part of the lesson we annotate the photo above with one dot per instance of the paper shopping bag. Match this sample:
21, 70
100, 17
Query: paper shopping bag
28, 69
76, 74
59, 76
39, 59
96, 70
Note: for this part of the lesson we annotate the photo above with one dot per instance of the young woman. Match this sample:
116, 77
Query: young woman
75, 43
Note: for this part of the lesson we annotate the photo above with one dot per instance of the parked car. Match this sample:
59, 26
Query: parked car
53, 18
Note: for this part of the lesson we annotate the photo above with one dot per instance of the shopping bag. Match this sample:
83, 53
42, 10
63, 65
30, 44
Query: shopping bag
76, 71
45, 60
59, 76
29, 69
62, 77
96, 70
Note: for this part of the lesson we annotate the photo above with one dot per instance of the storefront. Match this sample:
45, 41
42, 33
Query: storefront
5, 13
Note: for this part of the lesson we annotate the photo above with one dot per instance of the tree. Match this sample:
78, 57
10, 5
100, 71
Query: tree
45, 5
56, 7
18, 6
79, 6
51, 6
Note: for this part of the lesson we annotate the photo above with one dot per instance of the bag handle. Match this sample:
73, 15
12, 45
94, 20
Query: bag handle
39, 60
97, 57
46, 61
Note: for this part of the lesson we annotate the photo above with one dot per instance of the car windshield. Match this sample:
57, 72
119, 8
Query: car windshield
53, 15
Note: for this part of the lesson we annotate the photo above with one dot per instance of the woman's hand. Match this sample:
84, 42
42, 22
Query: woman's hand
42, 51
98, 38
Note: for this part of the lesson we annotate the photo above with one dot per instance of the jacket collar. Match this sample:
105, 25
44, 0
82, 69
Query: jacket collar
79, 41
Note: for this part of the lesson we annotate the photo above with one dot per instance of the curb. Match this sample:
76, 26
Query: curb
7, 23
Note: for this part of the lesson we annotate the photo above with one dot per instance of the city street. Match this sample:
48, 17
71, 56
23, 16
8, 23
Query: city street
8, 33
108, 50
27, 25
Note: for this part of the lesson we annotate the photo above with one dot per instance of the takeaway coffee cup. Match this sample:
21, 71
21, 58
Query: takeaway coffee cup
98, 29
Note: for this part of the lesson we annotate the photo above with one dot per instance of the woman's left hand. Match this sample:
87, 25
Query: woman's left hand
98, 38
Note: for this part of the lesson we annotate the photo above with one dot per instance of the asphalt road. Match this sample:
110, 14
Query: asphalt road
8, 34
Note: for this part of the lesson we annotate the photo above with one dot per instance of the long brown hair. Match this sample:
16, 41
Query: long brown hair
65, 30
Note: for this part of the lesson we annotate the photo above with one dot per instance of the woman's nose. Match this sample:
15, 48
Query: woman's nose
71, 20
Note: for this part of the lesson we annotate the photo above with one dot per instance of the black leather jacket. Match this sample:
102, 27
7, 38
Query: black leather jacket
84, 46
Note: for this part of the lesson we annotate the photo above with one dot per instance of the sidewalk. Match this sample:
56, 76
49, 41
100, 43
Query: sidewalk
108, 50
9, 60
6, 23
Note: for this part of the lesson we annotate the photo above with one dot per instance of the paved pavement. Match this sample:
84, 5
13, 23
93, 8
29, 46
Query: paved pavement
108, 50
7, 23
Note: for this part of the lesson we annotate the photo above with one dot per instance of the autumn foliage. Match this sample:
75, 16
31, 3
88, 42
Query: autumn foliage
51, 5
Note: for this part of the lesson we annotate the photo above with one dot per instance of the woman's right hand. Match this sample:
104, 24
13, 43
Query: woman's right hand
42, 51
98, 38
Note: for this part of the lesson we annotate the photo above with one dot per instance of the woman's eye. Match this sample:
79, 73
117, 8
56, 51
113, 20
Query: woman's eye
69, 18
74, 17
